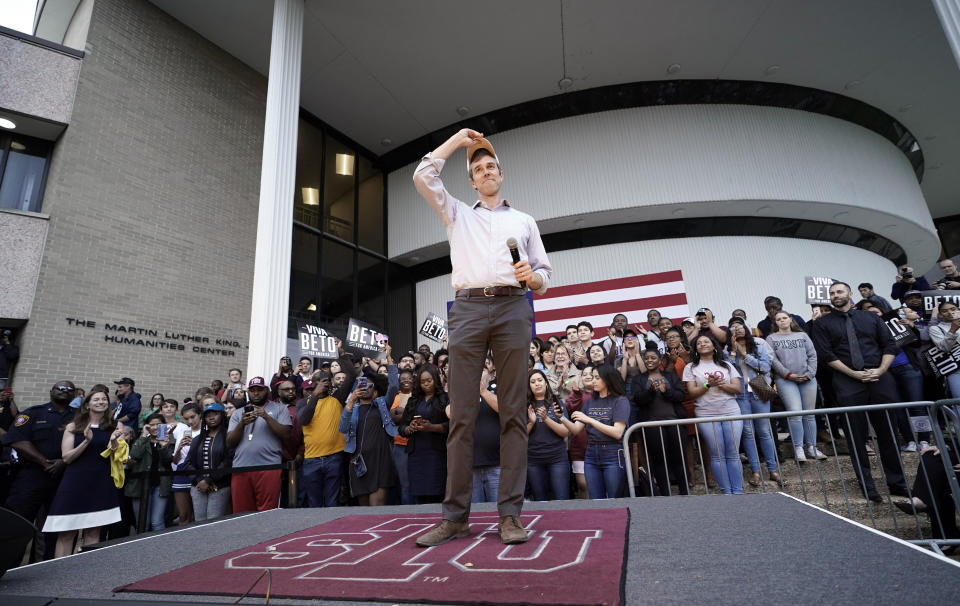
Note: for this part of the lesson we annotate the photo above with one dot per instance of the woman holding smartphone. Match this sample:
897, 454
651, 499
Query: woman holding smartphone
151, 454
86, 499
605, 418
426, 425
548, 468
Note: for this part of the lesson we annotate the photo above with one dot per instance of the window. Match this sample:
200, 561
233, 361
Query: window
336, 294
306, 206
23, 170
339, 176
304, 256
371, 209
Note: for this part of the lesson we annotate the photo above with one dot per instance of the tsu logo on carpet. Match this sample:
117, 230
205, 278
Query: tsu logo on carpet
572, 557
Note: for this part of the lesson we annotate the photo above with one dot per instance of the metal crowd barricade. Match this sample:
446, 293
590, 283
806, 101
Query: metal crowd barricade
145, 488
928, 472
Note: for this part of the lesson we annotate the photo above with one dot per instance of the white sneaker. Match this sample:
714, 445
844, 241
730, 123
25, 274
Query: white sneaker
814, 453
923, 444
910, 447
798, 454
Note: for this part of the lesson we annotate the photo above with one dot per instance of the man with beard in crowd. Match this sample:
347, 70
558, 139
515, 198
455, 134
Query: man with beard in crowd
857, 345
257, 433
319, 414
36, 435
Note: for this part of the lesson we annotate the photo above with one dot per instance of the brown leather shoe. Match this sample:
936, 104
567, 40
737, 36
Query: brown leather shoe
446, 530
511, 532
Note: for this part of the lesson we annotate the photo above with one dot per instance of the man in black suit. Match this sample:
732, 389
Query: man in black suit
859, 348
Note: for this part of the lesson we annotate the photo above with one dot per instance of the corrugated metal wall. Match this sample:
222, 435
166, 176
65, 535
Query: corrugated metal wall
648, 163
721, 273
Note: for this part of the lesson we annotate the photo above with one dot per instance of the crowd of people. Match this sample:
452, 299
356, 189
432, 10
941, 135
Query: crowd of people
91, 464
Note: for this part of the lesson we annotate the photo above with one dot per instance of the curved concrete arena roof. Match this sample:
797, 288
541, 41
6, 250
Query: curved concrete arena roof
399, 70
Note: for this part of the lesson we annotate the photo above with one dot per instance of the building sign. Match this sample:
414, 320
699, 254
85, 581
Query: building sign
817, 289
315, 342
434, 327
366, 339
155, 338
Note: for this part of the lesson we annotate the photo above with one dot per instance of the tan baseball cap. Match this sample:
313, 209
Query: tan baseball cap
478, 145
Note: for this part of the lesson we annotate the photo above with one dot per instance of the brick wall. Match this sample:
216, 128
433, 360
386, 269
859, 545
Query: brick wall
152, 197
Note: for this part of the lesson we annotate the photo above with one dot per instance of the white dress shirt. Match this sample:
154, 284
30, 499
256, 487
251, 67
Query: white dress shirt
478, 236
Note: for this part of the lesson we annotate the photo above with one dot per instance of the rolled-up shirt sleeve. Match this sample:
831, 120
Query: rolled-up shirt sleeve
426, 180
537, 257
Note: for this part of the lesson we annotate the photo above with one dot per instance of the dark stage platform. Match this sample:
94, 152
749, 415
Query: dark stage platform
763, 548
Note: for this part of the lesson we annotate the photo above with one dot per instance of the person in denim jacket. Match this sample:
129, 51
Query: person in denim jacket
369, 429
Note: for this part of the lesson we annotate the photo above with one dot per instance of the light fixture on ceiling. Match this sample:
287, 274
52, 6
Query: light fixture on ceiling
312, 307
851, 84
17, 146
915, 147
841, 215
890, 227
679, 212
564, 83
763, 210
7, 123
463, 110
673, 68
345, 165
771, 70
311, 196
904, 108
386, 142
578, 222
414, 259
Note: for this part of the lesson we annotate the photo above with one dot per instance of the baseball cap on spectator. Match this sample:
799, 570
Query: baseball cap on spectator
257, 382
703, 311
306, 386
6, 390
126, 381
688, 320
912, 292
770, 298
325, 363
213, 407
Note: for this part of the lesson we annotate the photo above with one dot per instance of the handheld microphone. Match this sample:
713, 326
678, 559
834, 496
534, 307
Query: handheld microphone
515, 254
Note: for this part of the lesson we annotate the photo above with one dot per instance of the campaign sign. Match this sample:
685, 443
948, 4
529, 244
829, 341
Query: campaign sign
933, 298
902, 335
434, 327
315, 342
366, 339
943, 362
817, 289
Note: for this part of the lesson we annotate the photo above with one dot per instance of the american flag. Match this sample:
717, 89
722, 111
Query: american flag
598, 302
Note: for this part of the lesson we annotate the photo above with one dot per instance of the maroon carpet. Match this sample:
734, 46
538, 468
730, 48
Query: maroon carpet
573, 557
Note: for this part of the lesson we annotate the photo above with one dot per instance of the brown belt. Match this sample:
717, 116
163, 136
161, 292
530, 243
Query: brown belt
491, 291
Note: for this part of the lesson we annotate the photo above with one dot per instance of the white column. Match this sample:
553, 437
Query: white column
949, 13
271, 272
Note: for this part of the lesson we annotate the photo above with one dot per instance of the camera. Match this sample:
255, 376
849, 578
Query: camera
248, 408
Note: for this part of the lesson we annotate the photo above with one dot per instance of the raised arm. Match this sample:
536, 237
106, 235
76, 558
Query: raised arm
426, 179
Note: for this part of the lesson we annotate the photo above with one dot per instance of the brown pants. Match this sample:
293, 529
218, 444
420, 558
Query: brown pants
503, 324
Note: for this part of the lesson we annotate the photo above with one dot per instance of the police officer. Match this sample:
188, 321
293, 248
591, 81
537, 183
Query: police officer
36, 435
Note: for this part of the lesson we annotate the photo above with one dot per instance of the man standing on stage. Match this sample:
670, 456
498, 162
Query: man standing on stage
489, 311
